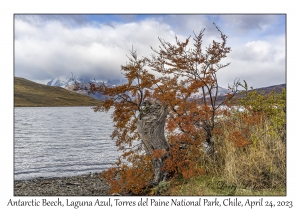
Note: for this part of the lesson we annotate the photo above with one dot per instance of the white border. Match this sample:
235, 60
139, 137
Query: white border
8, 8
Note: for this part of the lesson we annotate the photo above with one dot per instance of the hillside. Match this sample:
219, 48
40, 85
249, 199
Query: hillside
276, 88
264, 90
28, 93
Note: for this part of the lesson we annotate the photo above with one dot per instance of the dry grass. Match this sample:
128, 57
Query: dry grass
259, 165
255, 168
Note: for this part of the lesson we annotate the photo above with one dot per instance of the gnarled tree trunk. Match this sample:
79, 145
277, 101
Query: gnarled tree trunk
150, 127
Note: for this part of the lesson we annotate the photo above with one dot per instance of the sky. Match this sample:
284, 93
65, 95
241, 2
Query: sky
95, 46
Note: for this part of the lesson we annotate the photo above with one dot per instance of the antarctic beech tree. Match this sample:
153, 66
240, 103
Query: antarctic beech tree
147, 108
197, 71
150, 126
137, 114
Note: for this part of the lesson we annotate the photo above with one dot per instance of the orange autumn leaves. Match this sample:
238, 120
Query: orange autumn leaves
180, 78
130, 179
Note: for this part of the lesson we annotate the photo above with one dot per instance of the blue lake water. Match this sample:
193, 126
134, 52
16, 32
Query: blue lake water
61, 141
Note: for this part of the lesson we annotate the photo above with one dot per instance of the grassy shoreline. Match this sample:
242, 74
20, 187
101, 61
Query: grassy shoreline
215, 186
94, 185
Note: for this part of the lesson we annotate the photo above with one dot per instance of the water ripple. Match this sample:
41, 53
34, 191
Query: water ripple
61, 141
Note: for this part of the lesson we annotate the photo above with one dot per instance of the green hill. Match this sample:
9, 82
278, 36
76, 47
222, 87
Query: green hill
28, 93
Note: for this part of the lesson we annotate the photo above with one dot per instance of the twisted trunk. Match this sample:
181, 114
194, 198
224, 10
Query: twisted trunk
150, 127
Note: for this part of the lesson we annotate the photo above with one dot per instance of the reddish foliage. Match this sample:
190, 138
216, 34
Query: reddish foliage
239, 139
191, 121
159, 153
130, 179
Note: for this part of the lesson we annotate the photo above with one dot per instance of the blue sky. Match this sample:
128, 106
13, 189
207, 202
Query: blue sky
95, 46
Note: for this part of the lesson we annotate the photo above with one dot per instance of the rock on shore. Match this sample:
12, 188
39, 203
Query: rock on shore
83, 185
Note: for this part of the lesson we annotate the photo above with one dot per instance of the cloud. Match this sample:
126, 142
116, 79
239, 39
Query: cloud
256, 74
260, 63
245, 23
99, 51
261, 51
66, 20
94, 46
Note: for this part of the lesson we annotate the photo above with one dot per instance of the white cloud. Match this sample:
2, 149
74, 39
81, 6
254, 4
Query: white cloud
260, 63
47, 47
244, 23
98, 51
260, 51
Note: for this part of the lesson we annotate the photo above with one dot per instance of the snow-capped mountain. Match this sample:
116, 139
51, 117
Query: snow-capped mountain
61, 81
68, 83
65, 81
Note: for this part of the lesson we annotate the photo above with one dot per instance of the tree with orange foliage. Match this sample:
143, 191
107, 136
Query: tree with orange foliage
147, 105
137, 115
198, 73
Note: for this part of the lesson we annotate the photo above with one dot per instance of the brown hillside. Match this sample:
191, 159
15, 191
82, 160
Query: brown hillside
28, 94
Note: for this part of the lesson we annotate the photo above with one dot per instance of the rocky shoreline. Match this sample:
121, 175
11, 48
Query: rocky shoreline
83, 185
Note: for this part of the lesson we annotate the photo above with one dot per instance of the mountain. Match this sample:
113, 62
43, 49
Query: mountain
61, 81
65, 81
276, 88
68, 83
28, 93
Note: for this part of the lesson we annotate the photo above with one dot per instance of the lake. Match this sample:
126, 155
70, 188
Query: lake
61, 141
